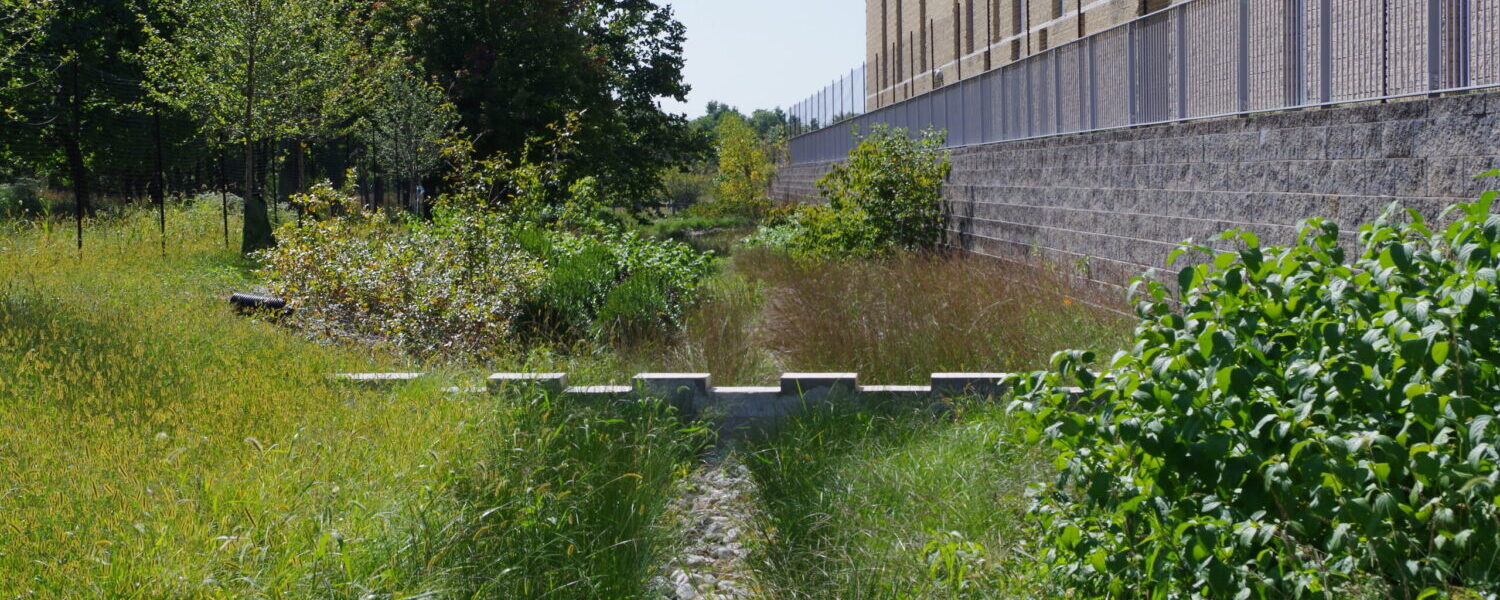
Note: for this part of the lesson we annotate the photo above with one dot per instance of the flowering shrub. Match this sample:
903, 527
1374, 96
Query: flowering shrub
1295, 424
467, 283
423, 287
515, 248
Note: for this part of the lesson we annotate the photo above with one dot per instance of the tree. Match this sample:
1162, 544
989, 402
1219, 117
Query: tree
405, 129
249, 69
20, 24
744, 169
768, 124
73, 91
514, 68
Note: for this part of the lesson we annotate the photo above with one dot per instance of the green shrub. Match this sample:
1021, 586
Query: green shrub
636, 308
585, 274
1296, 425
886, 197
745, 170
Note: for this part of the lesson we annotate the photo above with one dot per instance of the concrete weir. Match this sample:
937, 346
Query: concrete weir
733, 407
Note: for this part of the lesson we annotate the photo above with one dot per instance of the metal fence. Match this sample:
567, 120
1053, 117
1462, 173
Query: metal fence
1200, 59
839, 101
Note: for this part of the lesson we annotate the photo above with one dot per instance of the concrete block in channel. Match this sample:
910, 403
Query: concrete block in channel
552, 383
688, 392
804, 384
948, 385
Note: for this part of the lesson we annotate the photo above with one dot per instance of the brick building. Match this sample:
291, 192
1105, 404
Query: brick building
913, 46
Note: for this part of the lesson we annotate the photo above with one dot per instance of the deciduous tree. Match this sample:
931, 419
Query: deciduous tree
514, 68
744, 169
405, 128
250, 69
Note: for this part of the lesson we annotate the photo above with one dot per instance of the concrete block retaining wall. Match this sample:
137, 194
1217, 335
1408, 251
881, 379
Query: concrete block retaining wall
733, 408
1110, 205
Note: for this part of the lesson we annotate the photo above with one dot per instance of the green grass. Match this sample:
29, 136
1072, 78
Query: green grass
897, 504
153, 444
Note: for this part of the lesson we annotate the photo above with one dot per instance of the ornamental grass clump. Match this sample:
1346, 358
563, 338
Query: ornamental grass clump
1297, 425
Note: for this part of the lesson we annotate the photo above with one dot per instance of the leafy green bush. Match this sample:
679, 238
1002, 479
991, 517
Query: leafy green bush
516, 247
886, 197
745, 169
594, 284
1297, 424
466, 283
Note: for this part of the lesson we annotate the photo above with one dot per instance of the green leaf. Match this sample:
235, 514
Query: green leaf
1224, 260
1187, 279
1440, 352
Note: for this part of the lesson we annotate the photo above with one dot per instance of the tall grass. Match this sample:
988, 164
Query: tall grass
152, 445
899, 320
895, 504
719, 335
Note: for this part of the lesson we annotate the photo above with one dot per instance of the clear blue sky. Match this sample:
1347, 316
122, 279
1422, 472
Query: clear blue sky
766, 53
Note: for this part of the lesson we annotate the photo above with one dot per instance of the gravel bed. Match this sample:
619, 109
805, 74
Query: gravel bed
715, 513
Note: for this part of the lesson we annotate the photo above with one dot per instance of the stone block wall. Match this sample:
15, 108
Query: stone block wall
799, 183
734, 409
1108, 206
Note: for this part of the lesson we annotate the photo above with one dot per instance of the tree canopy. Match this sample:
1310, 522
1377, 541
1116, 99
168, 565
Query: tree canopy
514, 68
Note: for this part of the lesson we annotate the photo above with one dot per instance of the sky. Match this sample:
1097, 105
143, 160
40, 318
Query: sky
766, 53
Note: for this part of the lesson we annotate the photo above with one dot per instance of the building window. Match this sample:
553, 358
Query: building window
993, 8
969, 27
958, 34
1058, 8
921, 24
1042, 41
900, 42
1017, 17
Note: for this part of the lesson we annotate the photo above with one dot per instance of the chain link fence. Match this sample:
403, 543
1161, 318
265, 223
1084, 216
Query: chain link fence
1200, 59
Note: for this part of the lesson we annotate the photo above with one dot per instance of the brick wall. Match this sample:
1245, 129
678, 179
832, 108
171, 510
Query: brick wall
1110, 205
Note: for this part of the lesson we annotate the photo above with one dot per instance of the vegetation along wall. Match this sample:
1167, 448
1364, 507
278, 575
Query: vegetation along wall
1110, 205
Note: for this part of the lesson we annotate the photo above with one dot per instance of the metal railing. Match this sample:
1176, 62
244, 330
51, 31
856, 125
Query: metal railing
837, 102
1203, 59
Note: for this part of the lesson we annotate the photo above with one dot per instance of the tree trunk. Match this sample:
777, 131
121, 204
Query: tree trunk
300, 182
224, 186
379, 191
71, 134
257, 231
159, 182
